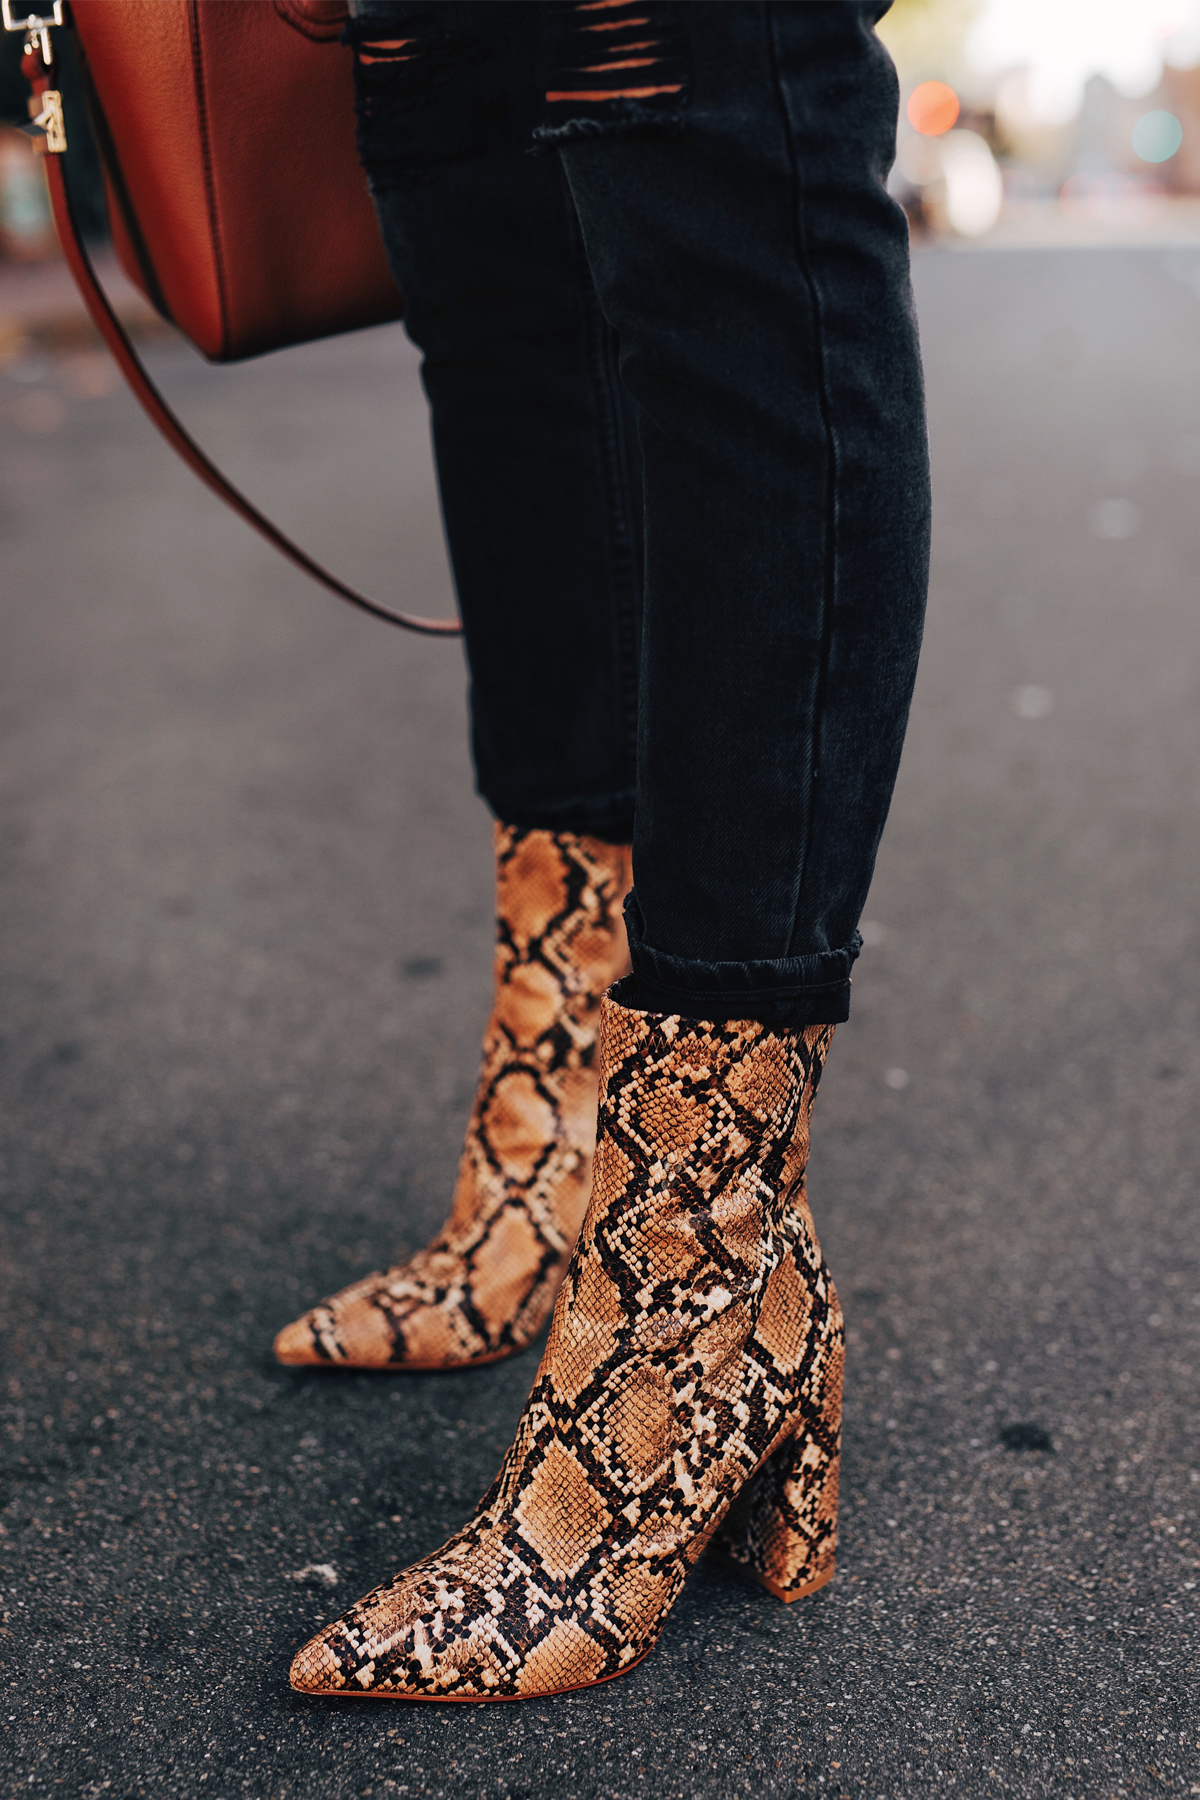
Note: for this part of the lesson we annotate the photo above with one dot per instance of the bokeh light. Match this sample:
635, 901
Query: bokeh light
974, 187
1032, 702
1157, 136
932, 108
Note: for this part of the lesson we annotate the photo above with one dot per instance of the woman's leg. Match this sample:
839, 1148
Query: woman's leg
745, 250
537, 453
756, 273
539, 472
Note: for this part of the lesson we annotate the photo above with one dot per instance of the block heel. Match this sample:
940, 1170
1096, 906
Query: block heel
782, 1528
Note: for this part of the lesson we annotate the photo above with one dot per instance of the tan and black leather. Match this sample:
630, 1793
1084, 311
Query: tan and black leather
485, 1286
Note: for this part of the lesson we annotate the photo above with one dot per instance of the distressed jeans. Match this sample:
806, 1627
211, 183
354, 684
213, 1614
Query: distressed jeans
663, 302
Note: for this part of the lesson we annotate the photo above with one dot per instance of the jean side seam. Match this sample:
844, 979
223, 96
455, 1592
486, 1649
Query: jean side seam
829, 594
626, 603
611, 445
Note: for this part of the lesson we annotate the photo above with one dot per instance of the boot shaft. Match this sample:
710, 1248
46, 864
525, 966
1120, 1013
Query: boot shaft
697, 1204
560, 936
697, 1313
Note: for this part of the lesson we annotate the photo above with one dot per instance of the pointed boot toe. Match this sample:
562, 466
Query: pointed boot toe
351, 1329
316, 1668
296, 1344
467, 1623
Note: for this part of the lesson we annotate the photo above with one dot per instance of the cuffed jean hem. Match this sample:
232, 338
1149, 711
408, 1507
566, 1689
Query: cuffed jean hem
610, 818
792, 991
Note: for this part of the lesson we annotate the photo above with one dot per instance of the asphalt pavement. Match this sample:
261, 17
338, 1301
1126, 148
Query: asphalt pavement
245, 967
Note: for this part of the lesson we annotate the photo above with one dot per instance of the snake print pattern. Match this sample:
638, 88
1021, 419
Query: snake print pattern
485, 1286
697, 1341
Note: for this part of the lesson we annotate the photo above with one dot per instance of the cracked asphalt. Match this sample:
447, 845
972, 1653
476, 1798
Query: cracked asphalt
245, 967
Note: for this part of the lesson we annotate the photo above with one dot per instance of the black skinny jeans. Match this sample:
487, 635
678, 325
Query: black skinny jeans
664, 306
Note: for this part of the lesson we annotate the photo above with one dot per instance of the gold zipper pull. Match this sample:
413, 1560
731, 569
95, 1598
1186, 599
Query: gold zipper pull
46, 126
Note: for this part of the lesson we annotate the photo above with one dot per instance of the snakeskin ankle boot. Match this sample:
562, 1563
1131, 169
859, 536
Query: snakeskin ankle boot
485, 1286
690, 1393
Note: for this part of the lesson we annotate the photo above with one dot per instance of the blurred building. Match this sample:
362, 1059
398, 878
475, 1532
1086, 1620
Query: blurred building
1109, 156
1179, 94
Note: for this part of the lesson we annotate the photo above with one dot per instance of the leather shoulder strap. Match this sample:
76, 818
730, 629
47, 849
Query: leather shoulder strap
134, 371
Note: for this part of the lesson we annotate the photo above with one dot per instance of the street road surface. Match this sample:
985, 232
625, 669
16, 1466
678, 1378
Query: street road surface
245, 968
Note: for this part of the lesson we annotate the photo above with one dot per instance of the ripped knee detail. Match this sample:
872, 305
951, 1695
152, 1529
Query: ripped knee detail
612, 66
437, 83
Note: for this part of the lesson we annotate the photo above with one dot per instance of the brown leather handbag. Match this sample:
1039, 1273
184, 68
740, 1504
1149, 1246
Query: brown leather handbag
236, 198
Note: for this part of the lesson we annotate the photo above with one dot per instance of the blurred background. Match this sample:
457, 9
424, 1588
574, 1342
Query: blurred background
1025, 121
